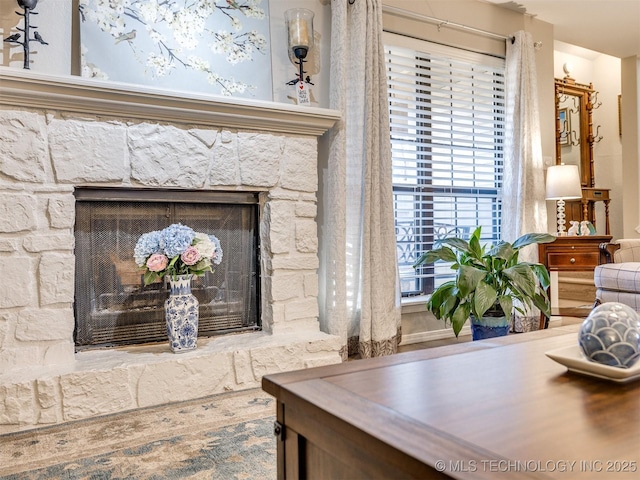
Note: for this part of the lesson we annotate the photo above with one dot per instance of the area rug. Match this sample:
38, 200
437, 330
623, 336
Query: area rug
226, 436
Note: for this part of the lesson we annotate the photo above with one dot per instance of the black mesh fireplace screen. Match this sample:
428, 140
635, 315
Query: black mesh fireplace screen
112, 305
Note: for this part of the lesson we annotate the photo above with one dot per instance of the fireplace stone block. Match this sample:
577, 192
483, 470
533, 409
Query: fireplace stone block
44, 324
61, 211
18, 274
18, 213
56, 273
20, 160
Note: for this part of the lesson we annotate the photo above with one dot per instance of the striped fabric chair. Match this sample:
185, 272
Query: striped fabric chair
619, 280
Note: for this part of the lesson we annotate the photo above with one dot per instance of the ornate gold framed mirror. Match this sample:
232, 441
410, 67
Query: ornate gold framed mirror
575, 138
574, 127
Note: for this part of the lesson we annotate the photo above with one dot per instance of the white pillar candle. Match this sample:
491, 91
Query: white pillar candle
298, 33
300, 27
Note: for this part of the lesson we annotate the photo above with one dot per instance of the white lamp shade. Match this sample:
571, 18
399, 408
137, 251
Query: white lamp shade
563, 182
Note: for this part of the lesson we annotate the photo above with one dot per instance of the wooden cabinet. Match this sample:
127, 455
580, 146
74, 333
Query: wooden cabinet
570, 254
573, 253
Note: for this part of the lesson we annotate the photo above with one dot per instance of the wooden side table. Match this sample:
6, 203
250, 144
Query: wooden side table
568, 254
584, 209
591, 196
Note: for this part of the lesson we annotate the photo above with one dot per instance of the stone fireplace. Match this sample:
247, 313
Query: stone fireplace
60, 133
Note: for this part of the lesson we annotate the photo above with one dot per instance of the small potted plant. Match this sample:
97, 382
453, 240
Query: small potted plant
489, 285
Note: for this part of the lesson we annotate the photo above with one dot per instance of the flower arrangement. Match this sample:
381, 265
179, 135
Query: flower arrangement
176, 250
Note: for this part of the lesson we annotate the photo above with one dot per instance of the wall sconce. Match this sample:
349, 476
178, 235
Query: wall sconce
563, 183
27, 6
300, 39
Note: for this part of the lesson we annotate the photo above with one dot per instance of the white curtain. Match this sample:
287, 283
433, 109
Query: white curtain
524, 208
359, 288
523, 180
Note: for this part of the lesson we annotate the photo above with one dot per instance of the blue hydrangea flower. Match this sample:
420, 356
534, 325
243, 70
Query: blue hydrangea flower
175, 239
148, 244
218, 257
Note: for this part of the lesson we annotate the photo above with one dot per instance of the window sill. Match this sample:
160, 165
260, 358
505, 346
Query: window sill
414, 304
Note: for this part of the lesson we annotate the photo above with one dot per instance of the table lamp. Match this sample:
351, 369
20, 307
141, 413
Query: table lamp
563, 183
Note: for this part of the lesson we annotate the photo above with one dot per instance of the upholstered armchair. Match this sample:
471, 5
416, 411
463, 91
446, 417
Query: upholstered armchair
619, 280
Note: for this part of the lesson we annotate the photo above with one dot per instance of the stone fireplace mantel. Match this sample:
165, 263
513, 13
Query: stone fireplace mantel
63, 132
23, 88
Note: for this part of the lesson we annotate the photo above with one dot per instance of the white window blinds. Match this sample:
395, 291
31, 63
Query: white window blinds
446, 109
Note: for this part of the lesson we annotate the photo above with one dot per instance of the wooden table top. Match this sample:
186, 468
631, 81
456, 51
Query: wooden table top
483, 408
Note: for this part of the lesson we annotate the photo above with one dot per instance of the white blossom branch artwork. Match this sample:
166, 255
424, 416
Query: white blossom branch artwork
212, 46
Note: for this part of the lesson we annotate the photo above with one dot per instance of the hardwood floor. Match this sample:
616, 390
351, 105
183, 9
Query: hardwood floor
467, 338
434, 343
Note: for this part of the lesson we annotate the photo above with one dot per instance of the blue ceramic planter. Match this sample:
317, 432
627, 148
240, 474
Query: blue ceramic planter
489, 327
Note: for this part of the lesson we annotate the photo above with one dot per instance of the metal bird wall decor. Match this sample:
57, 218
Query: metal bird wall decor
27, 6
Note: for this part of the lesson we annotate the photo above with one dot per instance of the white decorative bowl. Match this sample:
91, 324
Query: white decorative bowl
610, 335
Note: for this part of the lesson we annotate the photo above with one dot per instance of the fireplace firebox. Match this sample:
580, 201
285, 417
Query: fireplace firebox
112, 305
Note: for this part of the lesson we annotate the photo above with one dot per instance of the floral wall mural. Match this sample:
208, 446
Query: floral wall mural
207, 46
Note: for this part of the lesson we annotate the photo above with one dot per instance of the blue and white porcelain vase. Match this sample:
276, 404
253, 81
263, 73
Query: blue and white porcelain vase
181, 313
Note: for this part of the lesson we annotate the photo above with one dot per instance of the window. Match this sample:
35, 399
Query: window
446, 110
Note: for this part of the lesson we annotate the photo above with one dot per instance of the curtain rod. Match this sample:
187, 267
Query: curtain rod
441, 23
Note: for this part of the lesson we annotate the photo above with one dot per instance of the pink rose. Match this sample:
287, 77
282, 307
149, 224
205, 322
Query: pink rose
190, 256
157, 262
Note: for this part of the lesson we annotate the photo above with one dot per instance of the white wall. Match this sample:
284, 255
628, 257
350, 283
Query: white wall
630, 146
53, 20
318, 59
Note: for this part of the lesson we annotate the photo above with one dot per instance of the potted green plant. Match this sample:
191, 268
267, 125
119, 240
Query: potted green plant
489, 285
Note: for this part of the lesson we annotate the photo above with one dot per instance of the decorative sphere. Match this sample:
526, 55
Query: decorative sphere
611, 335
